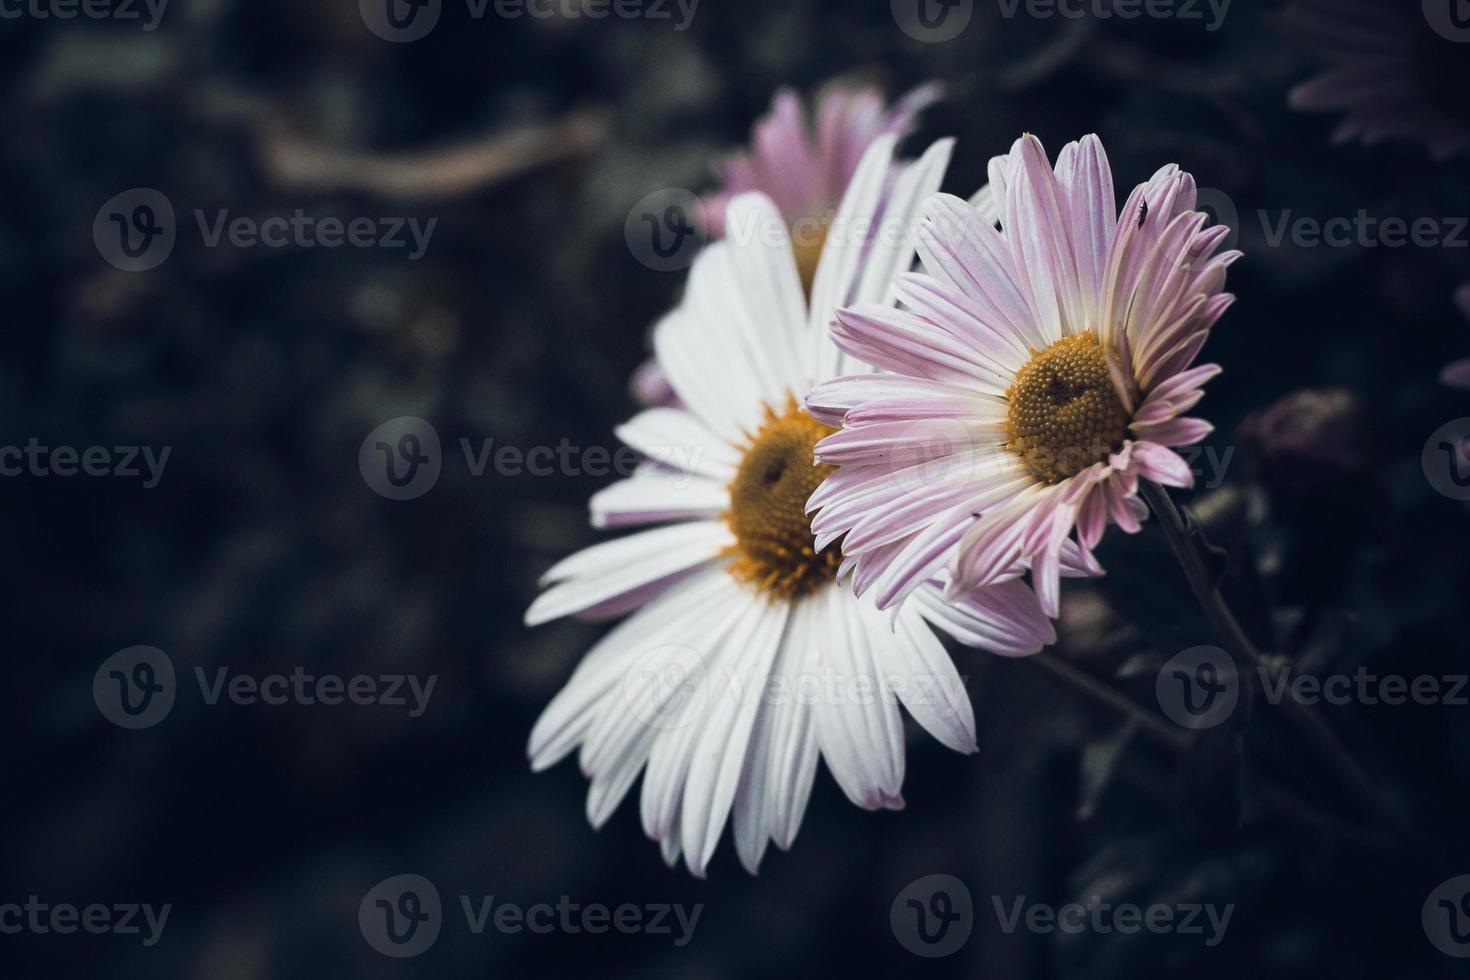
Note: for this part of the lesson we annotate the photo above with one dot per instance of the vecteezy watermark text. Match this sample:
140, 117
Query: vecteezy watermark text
681, 12
671, 685
403, 459
299, 687
938, 21
402, 916
1363, 230
1211, 12
1103, 918
99, 919
137, 687
1200, 687
403, 21
136, 230
306, 231
150, 12
34, 459
571, 918
1364, 687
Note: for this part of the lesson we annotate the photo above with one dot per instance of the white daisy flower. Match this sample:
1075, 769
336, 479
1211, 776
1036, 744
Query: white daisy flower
747, 657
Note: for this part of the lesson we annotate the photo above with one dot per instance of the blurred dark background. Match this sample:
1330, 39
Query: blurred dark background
263, 549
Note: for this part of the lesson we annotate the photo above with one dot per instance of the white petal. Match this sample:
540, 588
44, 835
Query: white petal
571, 713
677, 439
610, 569
782, 757
931, 689
774, 306
892, 249
732, 620
658, 495
858, 725
611, 785
984, 202
795, 750
700, 351
841, 261
719, 758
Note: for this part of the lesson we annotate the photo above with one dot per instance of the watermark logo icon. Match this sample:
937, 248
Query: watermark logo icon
1450, 19
400, 21
666, 229
932, 21
401, 459
1198, 688
135, 688
135, 230
1446, 459
665, 688
1222, 211
933, 916
401, 916
1446, 917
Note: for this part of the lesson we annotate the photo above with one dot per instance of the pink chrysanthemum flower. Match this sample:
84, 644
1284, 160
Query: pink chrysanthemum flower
1457, 375
1040, 372
804, 166
737, 612
1395, 68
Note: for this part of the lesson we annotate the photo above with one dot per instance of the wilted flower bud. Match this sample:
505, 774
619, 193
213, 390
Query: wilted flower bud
1307, 441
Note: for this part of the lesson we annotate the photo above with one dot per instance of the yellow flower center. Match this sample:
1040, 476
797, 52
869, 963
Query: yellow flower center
1064, 414
773, 547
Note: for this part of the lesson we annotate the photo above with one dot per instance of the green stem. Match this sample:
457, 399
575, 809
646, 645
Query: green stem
1161, 730
1180, 742
1194, 555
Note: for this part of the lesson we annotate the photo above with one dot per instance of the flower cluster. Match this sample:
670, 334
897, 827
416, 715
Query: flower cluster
856, 458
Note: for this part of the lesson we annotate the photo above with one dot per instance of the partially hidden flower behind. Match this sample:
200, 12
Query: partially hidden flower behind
803, 162
1307, 444
745, 659
804, 166
1457, 375
1397, 70
1039, 372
